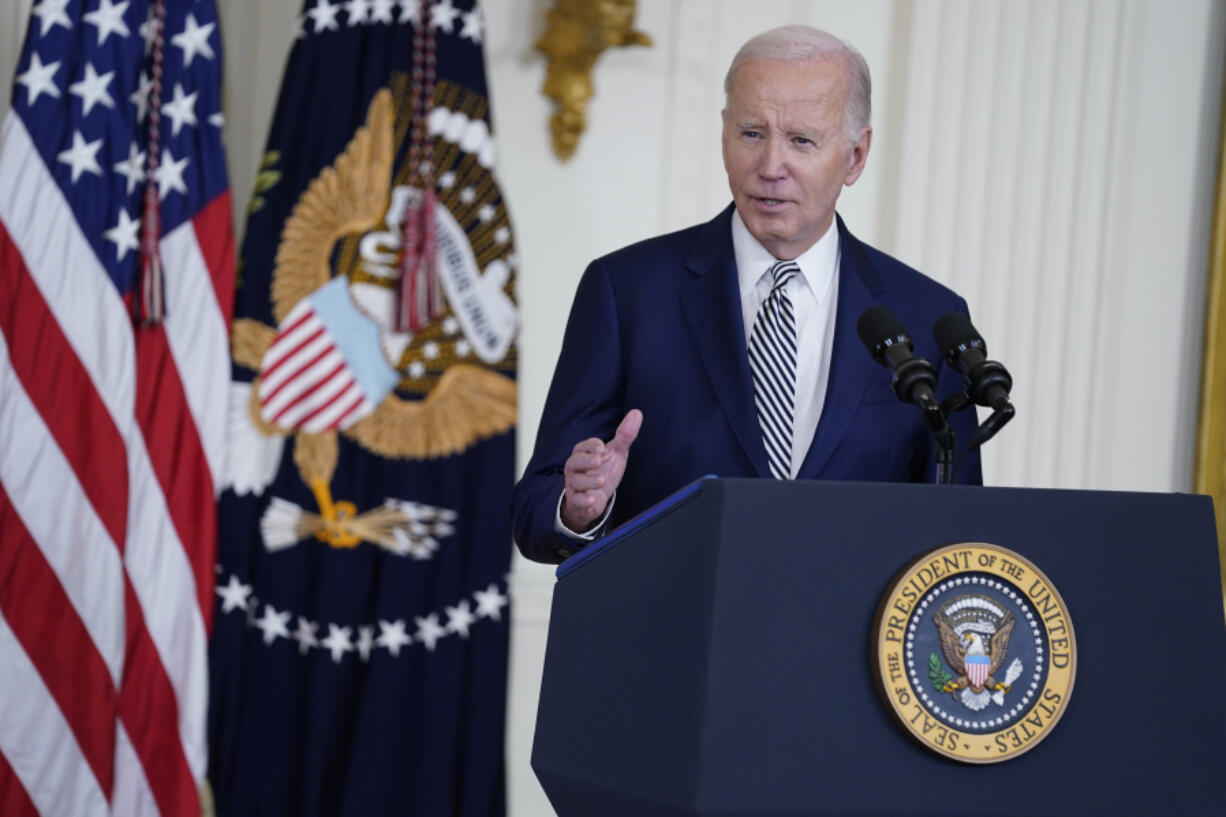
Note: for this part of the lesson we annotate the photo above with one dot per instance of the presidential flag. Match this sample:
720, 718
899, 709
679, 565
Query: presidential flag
360, 656
116, 280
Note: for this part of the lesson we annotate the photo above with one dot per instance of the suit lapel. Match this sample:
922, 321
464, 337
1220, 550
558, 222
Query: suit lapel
711, 304
850, 364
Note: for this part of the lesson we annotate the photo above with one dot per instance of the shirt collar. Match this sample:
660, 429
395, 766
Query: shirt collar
817, 264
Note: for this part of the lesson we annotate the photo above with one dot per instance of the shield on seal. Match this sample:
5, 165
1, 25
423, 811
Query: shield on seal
977, 668
325, 368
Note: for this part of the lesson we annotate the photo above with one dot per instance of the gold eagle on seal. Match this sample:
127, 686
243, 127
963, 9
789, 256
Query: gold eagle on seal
465, 403
975, 661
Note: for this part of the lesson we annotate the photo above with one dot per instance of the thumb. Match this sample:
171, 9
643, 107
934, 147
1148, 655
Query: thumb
627, 432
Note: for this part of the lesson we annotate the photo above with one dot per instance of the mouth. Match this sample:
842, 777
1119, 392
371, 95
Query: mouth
766, 201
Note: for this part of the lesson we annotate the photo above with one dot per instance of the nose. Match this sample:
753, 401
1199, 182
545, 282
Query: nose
773, 165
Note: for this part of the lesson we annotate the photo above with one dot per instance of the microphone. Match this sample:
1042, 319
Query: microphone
988, 382
914, 379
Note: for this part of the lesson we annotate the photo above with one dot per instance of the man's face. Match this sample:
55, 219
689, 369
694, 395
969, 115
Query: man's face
786, 150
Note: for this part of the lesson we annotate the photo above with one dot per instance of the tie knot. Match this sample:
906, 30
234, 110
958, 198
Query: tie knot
782, 272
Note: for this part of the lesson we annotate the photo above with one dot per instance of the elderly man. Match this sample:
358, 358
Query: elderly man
730, 348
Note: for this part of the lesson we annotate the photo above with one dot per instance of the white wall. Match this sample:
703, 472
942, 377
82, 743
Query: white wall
1052, 160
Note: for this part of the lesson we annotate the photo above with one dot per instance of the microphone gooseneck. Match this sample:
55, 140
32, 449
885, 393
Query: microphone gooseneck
987, 382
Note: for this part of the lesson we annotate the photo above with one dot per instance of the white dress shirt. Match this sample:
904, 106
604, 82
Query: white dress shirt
814, 294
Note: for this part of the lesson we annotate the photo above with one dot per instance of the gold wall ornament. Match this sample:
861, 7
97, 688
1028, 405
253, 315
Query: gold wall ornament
1211, 448
577, 32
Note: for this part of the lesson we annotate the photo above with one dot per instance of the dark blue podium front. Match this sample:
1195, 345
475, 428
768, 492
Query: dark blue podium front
714, 658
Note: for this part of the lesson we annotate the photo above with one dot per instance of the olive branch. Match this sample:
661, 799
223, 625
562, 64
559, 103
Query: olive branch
937, 673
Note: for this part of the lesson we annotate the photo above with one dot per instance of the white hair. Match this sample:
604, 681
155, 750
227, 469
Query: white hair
797, 43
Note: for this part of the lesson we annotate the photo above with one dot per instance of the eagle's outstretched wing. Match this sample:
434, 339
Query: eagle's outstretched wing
348, 197
1000, 643
951, 646
468, 404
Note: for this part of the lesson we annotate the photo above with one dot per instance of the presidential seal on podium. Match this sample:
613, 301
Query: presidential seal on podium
975, 652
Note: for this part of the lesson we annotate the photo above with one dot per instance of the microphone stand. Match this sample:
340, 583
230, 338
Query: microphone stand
943, 436
1002, 412
906, 377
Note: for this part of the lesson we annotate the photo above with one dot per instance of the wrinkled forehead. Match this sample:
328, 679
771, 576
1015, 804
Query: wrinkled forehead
796, 89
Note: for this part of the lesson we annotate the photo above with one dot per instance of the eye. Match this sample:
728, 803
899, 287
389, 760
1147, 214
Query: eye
751, 134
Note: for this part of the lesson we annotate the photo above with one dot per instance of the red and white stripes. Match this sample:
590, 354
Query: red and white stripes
304, 380
112, 438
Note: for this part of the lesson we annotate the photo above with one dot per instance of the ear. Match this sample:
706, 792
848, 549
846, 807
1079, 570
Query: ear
723, 137
859, 156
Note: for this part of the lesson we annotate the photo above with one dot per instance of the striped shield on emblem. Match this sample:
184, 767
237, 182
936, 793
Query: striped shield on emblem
977, 668
325, 368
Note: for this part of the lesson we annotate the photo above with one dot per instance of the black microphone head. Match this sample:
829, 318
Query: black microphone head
879, 328
954, 333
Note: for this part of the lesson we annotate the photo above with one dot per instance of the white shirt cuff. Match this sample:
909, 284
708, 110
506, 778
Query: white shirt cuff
592, 533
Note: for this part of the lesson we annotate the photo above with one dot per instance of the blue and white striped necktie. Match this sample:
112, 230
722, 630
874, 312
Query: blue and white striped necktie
772, 362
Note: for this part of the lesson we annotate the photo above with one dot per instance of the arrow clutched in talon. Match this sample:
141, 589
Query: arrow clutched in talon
1011, 675
335, 526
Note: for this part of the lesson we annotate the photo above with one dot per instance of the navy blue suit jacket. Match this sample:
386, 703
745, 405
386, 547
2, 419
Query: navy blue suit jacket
657, 326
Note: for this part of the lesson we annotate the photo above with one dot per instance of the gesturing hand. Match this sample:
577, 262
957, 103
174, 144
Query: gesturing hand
593, 472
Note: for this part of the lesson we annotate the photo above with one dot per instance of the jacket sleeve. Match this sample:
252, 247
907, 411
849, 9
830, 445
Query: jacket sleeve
586, 399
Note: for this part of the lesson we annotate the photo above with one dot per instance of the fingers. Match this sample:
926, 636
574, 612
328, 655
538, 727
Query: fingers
592, 445
590, 504
583, 461
593, 471
585, 499
579, 511
585, 481
627, 432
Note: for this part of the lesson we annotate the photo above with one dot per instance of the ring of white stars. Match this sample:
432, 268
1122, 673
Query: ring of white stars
324, 15
341, 641
1017, 708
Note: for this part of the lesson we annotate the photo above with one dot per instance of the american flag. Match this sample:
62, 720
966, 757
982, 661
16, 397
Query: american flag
110, 434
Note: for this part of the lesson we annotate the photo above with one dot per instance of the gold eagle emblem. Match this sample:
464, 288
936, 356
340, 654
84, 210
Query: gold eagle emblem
467, 402
974, 636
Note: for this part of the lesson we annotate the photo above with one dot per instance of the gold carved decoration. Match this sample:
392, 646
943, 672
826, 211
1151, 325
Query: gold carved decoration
1211, 451
577, 32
